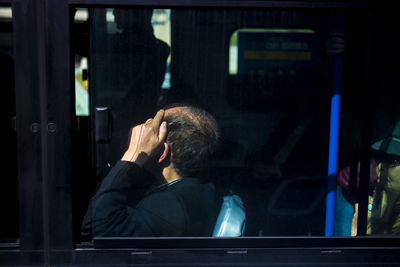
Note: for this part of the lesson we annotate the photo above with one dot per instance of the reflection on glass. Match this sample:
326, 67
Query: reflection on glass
161, 22
269, 114
161, 27
81, 87
274, 46
5, 13
265, 76
81, 62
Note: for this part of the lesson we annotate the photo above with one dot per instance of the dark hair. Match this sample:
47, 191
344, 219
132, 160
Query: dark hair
193, 136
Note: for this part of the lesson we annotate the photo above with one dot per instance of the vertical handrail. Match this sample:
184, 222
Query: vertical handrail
365, 157
334, 136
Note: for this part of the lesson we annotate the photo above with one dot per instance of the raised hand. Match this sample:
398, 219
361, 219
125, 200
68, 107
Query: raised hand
146, 139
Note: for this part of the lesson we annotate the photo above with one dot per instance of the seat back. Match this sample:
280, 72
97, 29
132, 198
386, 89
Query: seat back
231, 220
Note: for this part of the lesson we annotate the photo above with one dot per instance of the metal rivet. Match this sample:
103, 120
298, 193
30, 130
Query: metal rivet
35, 127
51, 127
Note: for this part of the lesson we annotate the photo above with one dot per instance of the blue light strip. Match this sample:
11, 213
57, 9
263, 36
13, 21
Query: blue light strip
334, 138
332, 165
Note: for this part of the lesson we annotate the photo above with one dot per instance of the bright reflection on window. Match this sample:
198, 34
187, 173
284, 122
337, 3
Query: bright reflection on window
161, 23
234, 51
162, 30
81, 87
81, 16
5, 13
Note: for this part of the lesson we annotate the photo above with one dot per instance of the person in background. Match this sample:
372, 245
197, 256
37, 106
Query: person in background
384, 197
385, 202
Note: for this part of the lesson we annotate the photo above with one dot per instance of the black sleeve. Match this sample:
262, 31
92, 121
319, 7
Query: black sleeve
113, 214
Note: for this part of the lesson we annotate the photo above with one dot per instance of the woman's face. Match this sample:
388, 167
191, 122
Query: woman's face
394, 178
393, 174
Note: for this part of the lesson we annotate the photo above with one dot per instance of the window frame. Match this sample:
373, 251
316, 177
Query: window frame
44, 121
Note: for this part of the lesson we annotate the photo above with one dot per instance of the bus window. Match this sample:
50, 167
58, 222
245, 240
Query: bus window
9, 232
266, 77
382, 190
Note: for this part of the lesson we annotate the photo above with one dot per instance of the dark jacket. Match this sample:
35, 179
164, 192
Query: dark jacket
127, 205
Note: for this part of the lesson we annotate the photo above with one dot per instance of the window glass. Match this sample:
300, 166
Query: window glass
266, 76
81, 63
383, 192
162, 30
9, 232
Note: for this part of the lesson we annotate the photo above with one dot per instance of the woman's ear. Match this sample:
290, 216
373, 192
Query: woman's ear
164, 153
